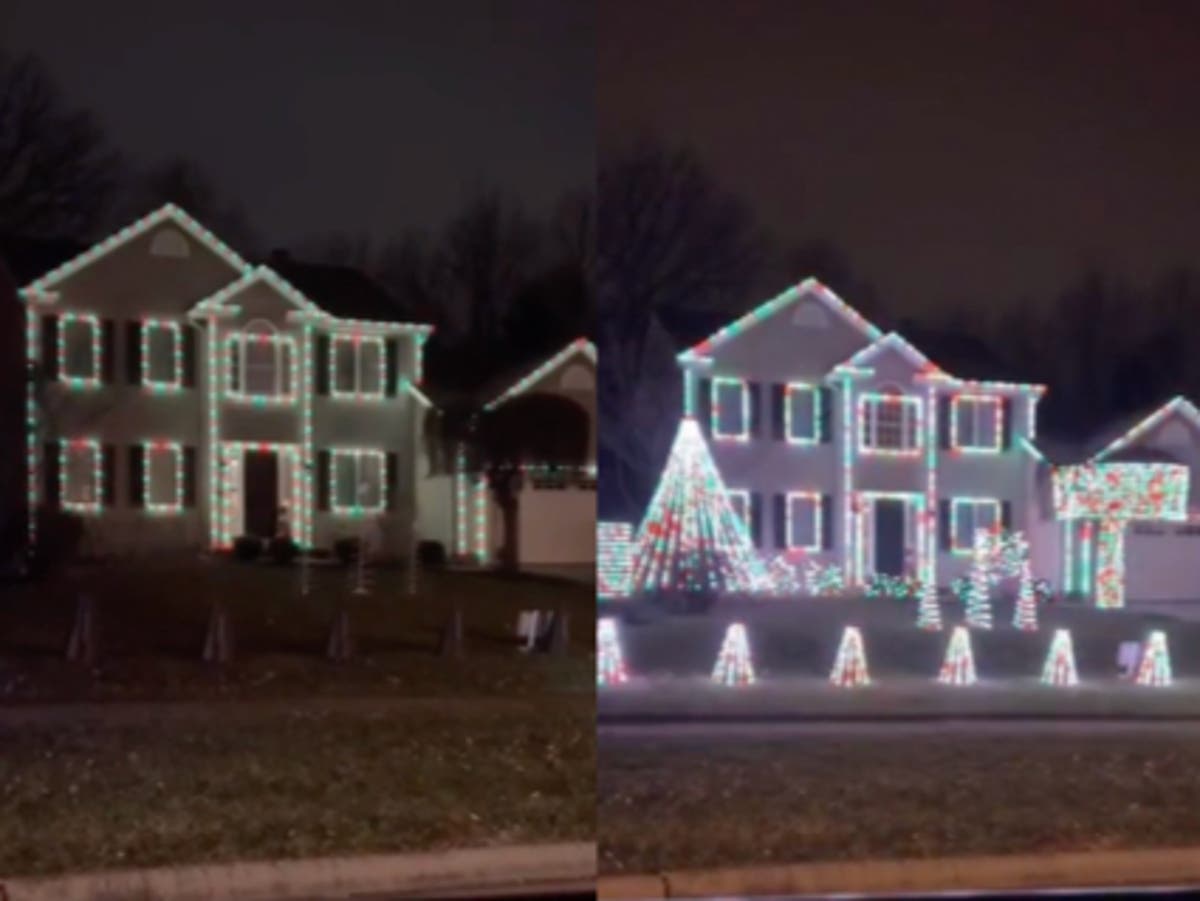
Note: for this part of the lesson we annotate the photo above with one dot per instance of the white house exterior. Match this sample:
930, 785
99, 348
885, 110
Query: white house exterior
190, 397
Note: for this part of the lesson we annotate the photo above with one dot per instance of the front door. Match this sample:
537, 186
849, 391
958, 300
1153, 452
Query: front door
260, 489
889, 536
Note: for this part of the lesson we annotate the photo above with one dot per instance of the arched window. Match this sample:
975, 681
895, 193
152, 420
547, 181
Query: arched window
261, 362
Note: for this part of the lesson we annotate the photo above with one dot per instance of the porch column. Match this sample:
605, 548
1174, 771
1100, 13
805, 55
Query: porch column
1110, 564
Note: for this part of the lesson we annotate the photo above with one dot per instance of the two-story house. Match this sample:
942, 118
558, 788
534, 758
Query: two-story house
843, 444
184, 397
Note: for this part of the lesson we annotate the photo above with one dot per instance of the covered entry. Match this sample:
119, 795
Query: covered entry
888, 534
262, 490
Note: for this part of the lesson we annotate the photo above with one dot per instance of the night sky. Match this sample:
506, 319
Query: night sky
322, 116
956, 151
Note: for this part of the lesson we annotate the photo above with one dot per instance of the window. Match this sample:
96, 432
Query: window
966, 516
730, 409
81, 464
889, 422
358, 366
976, 423
162, 355
739, 500
163, 477
260, 365
79, 354
804, 520
359, 479
802, 413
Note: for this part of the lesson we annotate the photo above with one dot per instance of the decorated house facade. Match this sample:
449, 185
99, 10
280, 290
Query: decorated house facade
182, 397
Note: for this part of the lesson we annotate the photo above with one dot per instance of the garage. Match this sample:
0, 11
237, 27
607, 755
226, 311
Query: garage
1162, 562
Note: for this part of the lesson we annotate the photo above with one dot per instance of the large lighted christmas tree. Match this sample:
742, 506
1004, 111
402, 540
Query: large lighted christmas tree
1025, 613
979, 599
959, 666
1155, 666
1060, 662
691, 539
733, 662
610, 667
929, 612
850, 666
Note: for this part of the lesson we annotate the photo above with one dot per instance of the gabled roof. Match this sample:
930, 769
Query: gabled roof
258, 275
892, 340
810, 287
1176, 405
578, 346
167, 213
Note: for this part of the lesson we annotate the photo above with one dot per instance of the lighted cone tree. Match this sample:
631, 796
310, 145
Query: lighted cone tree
610, 666
1060, 662
691, 539
733, 662
1025, 613
1155, 666
979, 599
959, 666
850, 666
929, 612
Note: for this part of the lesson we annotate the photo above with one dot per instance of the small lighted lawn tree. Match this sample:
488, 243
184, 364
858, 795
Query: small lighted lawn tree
691, 539
610, 667
929, 611
1113, 495
733, 662
850, 666
1025, 613
1060, 662
1155, 666
959, 666
979, 596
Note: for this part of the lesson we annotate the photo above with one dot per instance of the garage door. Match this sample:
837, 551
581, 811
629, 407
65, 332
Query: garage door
1162, 563
558, 526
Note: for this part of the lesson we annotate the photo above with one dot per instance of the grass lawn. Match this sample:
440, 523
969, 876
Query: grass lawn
852, 798
123, 787
153, 618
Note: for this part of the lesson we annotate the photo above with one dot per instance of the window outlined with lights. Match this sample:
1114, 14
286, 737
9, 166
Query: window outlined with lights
262, 364
969, 514
804, 526
976, 423
162, 477
730, 409
81, 471
802, 413
357, 367
80, 353
358, 481
889, 424
162, 355
739, 502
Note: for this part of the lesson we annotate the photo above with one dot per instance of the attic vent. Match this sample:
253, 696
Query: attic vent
168, 242
577, 378
810, 314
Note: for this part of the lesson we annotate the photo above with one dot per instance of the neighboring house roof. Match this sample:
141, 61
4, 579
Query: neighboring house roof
580, 346
1120, 436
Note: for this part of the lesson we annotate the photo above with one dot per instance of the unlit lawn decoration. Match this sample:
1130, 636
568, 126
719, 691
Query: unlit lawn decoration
452, 644
341, 643
83, 643
559, 634
218, 643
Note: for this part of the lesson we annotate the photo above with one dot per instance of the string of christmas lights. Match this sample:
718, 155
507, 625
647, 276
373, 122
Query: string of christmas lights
850, 665
1025, 615
1155, 667
979, 600
1060, 661
959, 666
733, 665
610, 666
929, 611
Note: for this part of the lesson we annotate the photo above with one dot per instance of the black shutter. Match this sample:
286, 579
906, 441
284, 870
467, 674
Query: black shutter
825, 423
755, 392
781, 513
110, 475
321, 361
50, 346
944, 423
53, 486
393, 480
1006, 431
393, 366
756, 518
189, 477
137, 466
704, 405
1006, 515
944, 524
188, 333
108, 352
323, 480
778, 417
133, 352
827, 522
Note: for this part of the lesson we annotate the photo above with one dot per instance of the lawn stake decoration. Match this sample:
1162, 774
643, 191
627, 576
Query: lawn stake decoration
1060, 662
1025, 613
979, 600
218, 642
610, 667
733, 662
1155, 668
959, 666
929, 613
850, 666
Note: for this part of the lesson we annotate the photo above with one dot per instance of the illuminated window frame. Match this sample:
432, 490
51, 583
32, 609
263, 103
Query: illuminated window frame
149, 448
973, 502
978, 400
789, 423
357, 454
868, 406
96, 379
238, 341
715, 389
355, 342
741, 495
176, 383
65, 446
817, 503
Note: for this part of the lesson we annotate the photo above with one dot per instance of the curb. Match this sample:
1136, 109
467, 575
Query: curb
1157, 867
801, 719
475, 869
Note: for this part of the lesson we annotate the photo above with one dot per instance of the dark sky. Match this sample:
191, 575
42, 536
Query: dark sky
954, 150
322, 115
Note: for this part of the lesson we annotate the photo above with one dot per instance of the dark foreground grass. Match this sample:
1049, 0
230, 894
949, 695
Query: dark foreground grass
221, 783
684, 806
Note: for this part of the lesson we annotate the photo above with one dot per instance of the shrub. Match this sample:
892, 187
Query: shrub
283, 550
431, 554
59, 535
247, 548
346, 550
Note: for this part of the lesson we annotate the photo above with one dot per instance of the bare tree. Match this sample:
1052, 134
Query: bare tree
57, 172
